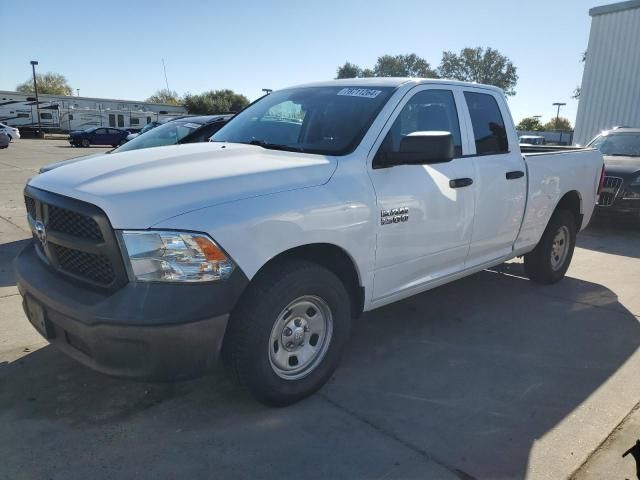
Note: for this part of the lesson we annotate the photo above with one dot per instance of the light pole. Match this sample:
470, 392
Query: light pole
558, 104
35, 88
78, 92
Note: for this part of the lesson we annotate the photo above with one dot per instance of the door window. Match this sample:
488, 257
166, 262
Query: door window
488, 126
428, 110
101, 131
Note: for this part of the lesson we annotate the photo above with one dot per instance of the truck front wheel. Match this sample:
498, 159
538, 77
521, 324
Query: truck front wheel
549, 261
285, 338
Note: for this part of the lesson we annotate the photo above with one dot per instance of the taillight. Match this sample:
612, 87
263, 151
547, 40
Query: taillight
601, 184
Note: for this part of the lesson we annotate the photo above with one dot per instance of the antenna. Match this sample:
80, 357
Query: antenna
165, 75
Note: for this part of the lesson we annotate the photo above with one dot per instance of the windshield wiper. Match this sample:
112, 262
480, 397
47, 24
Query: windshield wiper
276, 146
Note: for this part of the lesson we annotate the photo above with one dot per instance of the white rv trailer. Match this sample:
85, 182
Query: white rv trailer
66, 113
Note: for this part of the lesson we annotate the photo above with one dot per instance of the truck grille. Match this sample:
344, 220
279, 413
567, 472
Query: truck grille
610, 189
72, 223
95, 267
78, 240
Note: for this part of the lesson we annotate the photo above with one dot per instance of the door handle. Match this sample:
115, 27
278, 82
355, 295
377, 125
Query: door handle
460, 182
515, 174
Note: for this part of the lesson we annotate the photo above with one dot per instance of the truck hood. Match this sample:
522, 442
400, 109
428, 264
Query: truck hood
140, 188
51, 166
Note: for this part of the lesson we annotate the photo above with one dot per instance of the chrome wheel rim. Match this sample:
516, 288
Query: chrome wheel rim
560, 248
300, 337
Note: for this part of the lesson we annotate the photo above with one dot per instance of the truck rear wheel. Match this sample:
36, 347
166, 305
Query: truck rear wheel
285, 338
551, 258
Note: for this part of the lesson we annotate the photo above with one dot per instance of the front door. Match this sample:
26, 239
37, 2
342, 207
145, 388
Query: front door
501, 185
425, 216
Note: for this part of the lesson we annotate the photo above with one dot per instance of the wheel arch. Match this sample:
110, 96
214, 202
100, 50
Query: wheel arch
572, 202
332, 257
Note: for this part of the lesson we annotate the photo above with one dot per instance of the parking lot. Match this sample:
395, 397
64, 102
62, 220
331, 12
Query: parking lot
488, 377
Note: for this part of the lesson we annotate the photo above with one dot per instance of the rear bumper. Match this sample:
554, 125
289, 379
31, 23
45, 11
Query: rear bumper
143, 330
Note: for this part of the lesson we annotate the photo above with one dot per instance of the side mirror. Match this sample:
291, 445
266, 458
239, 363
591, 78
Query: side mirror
421, 148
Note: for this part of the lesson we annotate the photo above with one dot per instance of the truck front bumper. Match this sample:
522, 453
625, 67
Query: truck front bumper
143, 330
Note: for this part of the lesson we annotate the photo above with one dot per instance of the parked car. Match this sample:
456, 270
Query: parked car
532, 140
4, 140
621, 188
196, 129
12, 132
181, 130
146, 128
312, 205
98, 136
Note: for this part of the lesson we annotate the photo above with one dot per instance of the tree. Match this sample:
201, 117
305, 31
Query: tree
215, 101
50, 83
530, 124
165, 96
479, 65
563, 124
349, 70
409, 65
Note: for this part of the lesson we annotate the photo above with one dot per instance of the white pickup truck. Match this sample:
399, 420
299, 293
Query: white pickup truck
312, 205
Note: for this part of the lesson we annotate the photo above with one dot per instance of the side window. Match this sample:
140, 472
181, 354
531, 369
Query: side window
101, 131
46, 116
134, 121
428, 110
488, 126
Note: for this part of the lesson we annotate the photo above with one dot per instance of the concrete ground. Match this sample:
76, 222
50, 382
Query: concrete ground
488, 377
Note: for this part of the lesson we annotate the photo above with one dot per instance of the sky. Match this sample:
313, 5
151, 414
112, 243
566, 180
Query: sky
114, 49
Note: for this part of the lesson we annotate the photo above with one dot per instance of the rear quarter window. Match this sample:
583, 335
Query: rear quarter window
489, 131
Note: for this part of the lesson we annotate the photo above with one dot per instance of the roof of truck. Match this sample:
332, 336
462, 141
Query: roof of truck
391, 82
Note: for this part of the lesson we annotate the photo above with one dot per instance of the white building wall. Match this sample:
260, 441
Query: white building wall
611, 81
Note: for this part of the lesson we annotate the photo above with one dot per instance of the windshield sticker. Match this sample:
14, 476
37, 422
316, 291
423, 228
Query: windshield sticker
360, 92
191, 125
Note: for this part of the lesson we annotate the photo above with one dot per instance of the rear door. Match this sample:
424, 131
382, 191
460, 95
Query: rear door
100, 137
501, 183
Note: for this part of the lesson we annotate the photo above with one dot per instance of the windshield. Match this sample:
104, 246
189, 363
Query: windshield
324, 120
169, 133
618, 144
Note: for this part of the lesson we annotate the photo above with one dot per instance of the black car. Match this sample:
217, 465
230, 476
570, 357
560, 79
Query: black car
98, 136
620, 148
178, 131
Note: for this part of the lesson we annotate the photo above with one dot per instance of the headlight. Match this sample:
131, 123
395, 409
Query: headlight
174, 256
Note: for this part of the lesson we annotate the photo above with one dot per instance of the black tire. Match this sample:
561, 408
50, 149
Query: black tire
85, 143
538, 264
246, 349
